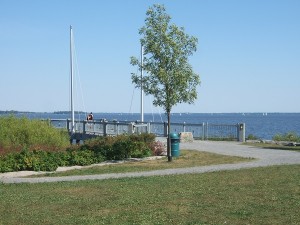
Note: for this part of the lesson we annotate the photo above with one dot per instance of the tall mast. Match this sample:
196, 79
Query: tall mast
72, 81
142, 92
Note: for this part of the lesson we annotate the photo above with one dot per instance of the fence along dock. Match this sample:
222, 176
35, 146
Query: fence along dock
84, 129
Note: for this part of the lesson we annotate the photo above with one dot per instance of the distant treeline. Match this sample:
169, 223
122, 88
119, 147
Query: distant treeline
12, 112
20, 112
68, 112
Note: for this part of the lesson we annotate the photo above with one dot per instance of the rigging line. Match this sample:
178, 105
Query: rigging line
80, 87
151, 107
79, 80
132, 95
151, 102
160, 115
131, 100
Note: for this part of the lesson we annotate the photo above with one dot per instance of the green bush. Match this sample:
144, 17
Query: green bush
120, 150
93, 151
140, 150
19, 133
290, 136
47, 161
81, 158
122, 146
252, 137
31, 160
8, 163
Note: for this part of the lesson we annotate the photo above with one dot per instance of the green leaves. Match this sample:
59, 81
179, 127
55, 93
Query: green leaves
290, 136
17, 133
169, 77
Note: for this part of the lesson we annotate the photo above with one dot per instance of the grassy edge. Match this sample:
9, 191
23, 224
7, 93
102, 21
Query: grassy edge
273, 146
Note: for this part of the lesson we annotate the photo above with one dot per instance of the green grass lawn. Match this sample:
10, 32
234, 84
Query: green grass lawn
269, 195
188, 158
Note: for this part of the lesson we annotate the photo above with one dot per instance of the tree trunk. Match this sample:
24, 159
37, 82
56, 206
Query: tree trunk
168, 139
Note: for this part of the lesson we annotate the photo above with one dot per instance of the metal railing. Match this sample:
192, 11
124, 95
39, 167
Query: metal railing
203, 131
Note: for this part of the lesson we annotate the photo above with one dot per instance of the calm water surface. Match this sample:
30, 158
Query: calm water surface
259, 124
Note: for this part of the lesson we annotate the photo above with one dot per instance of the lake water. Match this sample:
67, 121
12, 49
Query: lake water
261, 125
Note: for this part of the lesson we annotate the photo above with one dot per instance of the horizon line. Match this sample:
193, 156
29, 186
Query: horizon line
66, 111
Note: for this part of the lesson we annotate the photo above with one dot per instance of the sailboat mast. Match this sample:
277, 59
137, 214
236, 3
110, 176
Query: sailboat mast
142, 91
72, 82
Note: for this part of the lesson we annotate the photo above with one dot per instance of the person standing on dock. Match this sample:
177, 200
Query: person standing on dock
90, 116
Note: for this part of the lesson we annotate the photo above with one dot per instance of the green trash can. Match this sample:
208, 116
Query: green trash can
175, 140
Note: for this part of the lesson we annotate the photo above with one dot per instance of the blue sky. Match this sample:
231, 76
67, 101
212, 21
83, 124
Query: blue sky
248, 55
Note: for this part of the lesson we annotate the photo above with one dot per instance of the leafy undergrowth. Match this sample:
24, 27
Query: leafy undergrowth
17, 134
188, 158
93, 151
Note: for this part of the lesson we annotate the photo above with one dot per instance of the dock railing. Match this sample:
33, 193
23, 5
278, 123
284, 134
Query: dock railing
202, 131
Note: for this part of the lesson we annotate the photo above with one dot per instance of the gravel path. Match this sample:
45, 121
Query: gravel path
265, 157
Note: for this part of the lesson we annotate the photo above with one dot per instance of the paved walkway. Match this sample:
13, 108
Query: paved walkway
265, 157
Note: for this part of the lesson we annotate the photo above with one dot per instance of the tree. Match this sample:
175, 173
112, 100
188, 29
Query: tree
169, 77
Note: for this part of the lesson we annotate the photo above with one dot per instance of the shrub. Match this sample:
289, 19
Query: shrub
47, 161
122, 146
140, 150
81, 158
290, 136
157, 148
93, 151
7, 163
120, 150
19, 133
31, 160
252, 137
44, 161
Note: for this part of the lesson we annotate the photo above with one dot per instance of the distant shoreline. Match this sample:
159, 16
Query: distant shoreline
82, 112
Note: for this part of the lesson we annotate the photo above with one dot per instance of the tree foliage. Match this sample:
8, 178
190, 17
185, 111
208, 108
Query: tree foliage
169, 76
